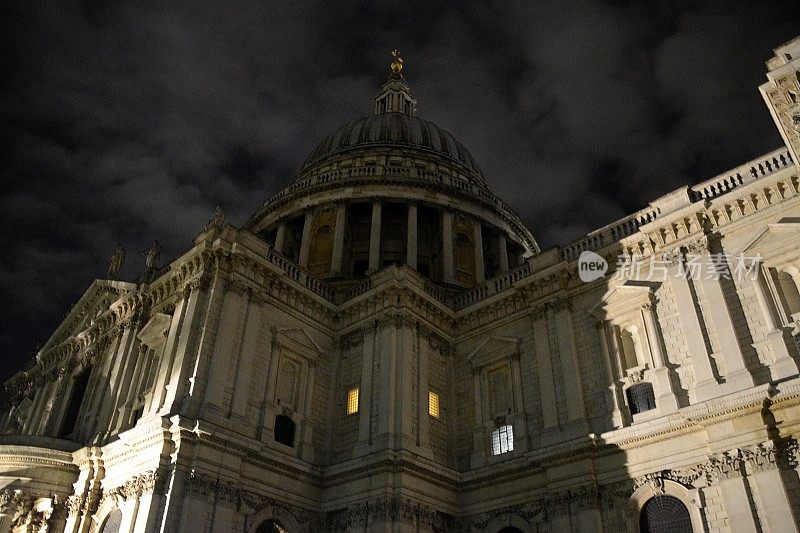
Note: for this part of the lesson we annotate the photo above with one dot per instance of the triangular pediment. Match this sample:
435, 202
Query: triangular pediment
493, 349
629, 296
94, 302
154, 333
299, 342
775, 239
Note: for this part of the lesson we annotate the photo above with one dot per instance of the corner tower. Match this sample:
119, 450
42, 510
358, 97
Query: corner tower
782, 93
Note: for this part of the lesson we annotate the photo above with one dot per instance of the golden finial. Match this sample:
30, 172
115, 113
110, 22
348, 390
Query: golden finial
397, 64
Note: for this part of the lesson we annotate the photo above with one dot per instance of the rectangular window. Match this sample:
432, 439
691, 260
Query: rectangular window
352, 401
502, 440
433, 404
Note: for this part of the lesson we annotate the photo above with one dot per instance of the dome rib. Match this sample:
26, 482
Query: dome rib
393, 130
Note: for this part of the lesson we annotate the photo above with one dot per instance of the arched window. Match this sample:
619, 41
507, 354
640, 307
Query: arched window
270, 526
641, 398
112, 522
502, 440
665, 514
464, 259
79, 384
321, 251
284, 430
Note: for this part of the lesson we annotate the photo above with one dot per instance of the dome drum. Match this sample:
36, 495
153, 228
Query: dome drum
348, 240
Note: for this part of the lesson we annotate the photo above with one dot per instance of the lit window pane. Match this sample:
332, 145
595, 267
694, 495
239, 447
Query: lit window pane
352, 401
433, 404
502, 440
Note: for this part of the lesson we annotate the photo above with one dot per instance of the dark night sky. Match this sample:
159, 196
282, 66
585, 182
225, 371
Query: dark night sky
128, 121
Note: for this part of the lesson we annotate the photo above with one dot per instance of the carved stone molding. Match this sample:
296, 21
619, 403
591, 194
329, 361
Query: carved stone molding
351, 340
19, 505
553, 505
150, 482
698, 246
247, 502
390, 509
769, 455
654, 480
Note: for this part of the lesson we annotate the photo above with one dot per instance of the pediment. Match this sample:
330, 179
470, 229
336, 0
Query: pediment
298, 341
94, 302
493, 349
775, 239
625, 298
154, 333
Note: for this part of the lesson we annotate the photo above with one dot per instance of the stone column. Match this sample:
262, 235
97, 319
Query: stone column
244, 369
280, 237
666, 401
614, 388
737, 504
411, 236
737, 377
479, 442
424, 352
306, 439
569, 360
448, 268
778, 339
477, 236
520, 419
375, 238
166, 366
305, 245
31, 417
368, 347
338, 241
131, 387
502, 252
705, 384
128, 347
227, 336
179, 381
775, 500
545, 371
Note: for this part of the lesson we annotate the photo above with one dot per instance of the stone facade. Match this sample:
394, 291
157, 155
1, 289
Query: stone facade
383, 347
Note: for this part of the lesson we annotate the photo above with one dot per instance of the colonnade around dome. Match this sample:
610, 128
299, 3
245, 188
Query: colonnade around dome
347, 241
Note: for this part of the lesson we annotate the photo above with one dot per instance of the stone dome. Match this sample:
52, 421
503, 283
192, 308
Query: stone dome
393, 189
394, 130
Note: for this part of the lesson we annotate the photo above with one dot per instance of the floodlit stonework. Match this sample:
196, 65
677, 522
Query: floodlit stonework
384, 347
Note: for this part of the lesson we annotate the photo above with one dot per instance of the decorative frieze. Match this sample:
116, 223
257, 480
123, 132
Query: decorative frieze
390, 509
150, 482
552, 506
246, 501
769, 455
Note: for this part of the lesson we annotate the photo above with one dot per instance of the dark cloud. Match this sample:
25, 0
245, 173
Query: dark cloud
127, 122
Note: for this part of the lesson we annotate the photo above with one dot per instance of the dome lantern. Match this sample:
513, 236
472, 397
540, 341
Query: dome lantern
395, 94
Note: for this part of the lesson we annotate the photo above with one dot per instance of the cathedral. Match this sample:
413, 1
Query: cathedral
384, 347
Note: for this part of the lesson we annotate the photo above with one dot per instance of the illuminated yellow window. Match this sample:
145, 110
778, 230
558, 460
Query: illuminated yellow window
352, 401
433, 404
